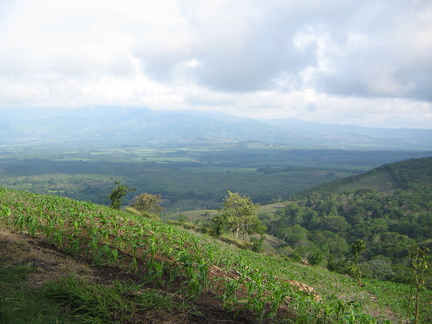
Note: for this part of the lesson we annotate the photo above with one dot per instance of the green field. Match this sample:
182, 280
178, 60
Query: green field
187, 178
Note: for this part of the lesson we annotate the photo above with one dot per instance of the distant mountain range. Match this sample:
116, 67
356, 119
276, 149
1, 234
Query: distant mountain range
132, 126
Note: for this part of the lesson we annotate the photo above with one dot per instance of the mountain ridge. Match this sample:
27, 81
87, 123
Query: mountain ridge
150, 127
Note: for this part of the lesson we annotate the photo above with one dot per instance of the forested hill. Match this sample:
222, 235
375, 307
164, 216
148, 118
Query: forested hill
412, 174
389, 208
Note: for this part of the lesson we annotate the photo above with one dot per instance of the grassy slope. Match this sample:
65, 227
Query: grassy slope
412, 174
190, 267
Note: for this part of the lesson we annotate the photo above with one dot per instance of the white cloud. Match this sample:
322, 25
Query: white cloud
364, 62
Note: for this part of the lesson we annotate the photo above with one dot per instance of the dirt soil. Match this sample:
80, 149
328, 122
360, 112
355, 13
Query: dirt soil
53, 264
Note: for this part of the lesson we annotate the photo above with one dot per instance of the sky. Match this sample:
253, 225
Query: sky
336, 61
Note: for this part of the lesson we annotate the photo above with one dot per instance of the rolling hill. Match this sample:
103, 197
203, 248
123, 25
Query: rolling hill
387, 208
413, 174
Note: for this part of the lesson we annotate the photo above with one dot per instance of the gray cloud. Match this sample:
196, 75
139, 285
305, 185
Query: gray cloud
388, 55
354, 48
254, 61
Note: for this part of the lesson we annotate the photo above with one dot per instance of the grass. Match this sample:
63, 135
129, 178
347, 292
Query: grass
400, 298
21, 304
92, 302
382, 181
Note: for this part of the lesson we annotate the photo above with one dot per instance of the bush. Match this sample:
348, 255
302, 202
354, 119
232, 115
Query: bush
338, 265
378, 269
315, 258
257, 243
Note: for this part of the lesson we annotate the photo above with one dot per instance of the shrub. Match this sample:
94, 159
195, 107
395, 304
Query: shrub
377, 269
315, 258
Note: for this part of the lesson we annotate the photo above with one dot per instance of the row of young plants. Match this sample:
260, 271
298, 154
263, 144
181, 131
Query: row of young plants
166, 255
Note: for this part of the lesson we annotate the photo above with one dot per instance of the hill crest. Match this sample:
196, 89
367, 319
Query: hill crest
131, 126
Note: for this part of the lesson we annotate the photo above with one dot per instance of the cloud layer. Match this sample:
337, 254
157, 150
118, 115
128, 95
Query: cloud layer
367, 62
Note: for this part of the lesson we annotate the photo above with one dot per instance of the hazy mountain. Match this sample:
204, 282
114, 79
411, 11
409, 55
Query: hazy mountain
131, 126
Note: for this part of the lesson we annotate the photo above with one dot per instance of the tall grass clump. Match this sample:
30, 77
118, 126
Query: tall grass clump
92, 302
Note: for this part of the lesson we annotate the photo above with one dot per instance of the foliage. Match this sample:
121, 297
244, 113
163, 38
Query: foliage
257, 243
238, 215
92, 302
377, 269
389, 222
419, 263
315, 258
118, 192
356, 249
147, 202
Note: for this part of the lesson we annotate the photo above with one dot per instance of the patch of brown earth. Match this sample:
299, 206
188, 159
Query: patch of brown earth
49, 264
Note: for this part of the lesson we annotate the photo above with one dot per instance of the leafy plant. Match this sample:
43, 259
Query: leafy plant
98, 303
238, 213
419, 263
147, 202
357, 248
117, 194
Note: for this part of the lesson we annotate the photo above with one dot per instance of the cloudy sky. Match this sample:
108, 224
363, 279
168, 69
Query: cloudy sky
338, 61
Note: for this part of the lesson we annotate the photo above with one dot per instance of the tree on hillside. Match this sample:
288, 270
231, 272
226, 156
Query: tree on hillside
146, 202
238, 215
117, 194
357, 248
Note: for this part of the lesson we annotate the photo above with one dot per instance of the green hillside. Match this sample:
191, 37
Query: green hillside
198, 279
388, 208
412, 174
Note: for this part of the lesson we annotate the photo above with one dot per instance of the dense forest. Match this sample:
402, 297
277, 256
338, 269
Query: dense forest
320, 225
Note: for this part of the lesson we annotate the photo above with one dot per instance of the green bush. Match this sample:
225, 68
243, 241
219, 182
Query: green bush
315, 258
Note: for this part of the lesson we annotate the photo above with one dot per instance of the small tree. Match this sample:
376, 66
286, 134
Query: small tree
257, 243
315, 257
238, 214
219, 222
147, 203
117, 194
357, 248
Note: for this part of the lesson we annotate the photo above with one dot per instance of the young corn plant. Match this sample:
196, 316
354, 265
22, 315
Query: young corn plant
279, 294
155, 272
196, 270
229, 296
419, 263
198, 278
